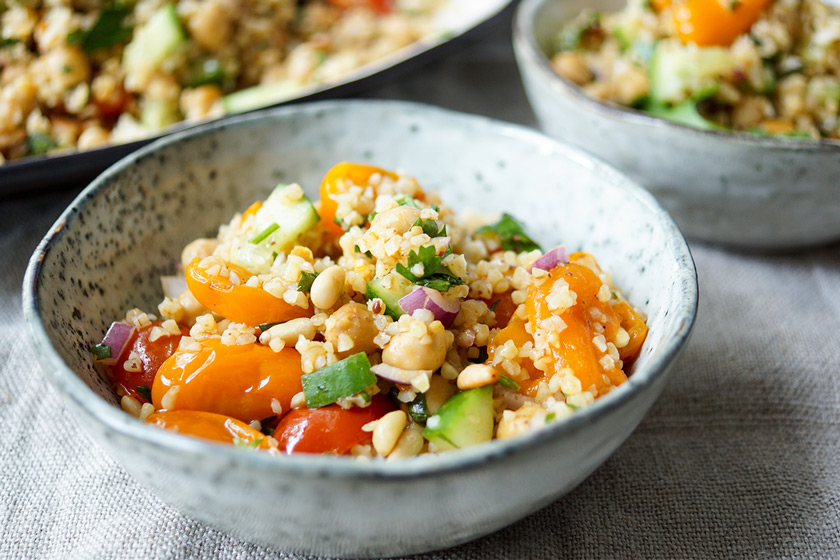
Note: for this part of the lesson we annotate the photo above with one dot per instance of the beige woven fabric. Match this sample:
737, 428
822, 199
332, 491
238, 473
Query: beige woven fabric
740, 457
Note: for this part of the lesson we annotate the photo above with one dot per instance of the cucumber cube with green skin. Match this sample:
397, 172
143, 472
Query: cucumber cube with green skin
284, 220
463, 420
162, 35
342, 379
260, 96
390, 290
685, 113
679, 72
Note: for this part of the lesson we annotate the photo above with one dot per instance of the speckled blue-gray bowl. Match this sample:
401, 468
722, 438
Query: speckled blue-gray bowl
105, 252
736, 189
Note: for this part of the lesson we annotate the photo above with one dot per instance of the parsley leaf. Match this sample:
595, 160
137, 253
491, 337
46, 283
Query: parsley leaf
108, 30
511, 234
144, 392
434, 276
101, 351
8, 42
430, 227
549, 417
407, 201
265, 326
368, 254
305, 282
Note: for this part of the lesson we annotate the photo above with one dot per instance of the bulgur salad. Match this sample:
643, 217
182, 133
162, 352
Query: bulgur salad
770, 67
375, 322
86, 73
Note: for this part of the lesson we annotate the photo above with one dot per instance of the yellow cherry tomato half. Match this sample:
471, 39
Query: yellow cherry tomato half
210, 426
251, 305
247, 382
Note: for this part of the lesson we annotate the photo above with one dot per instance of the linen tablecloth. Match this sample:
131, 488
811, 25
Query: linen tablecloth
740, 457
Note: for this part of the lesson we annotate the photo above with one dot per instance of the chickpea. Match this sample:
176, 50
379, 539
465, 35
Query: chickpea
57, 72
199, 248
93, 137
571, 66
198, 103
351, 329
398, 220
407, 351
210, 26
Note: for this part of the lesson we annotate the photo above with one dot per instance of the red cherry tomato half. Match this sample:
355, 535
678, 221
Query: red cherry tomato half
152, 354
329, 429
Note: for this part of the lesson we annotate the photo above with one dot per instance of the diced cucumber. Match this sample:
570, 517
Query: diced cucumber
342, 379
157, 114
287, 220
463, 420
679, 72
390, 289
685, 113
154, 42
259, 96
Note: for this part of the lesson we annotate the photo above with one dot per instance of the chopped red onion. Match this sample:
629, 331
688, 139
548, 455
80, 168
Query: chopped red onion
443, 307
117, 338
397, 375
551, 259
173, 286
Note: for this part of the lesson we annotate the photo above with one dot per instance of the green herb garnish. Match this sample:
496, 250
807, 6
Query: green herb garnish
8, 42
264, 233
508, 383
430, 227
511, 234
368, 254
435, 275
418, 411
265, 326
305, 282
101, 351
493, 305
206, 71
40, 143
407, 201
144, 391
109, 29
550, 416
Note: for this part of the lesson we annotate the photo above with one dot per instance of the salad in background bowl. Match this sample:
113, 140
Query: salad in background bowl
738, 147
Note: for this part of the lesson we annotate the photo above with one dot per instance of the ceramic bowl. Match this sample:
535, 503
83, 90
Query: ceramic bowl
732, 188
104, 255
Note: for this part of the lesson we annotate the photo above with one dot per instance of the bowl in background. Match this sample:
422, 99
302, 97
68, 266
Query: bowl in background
724, 187
105, 253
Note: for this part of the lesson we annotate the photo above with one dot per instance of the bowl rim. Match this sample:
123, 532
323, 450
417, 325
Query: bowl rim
530, 54
113, 419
